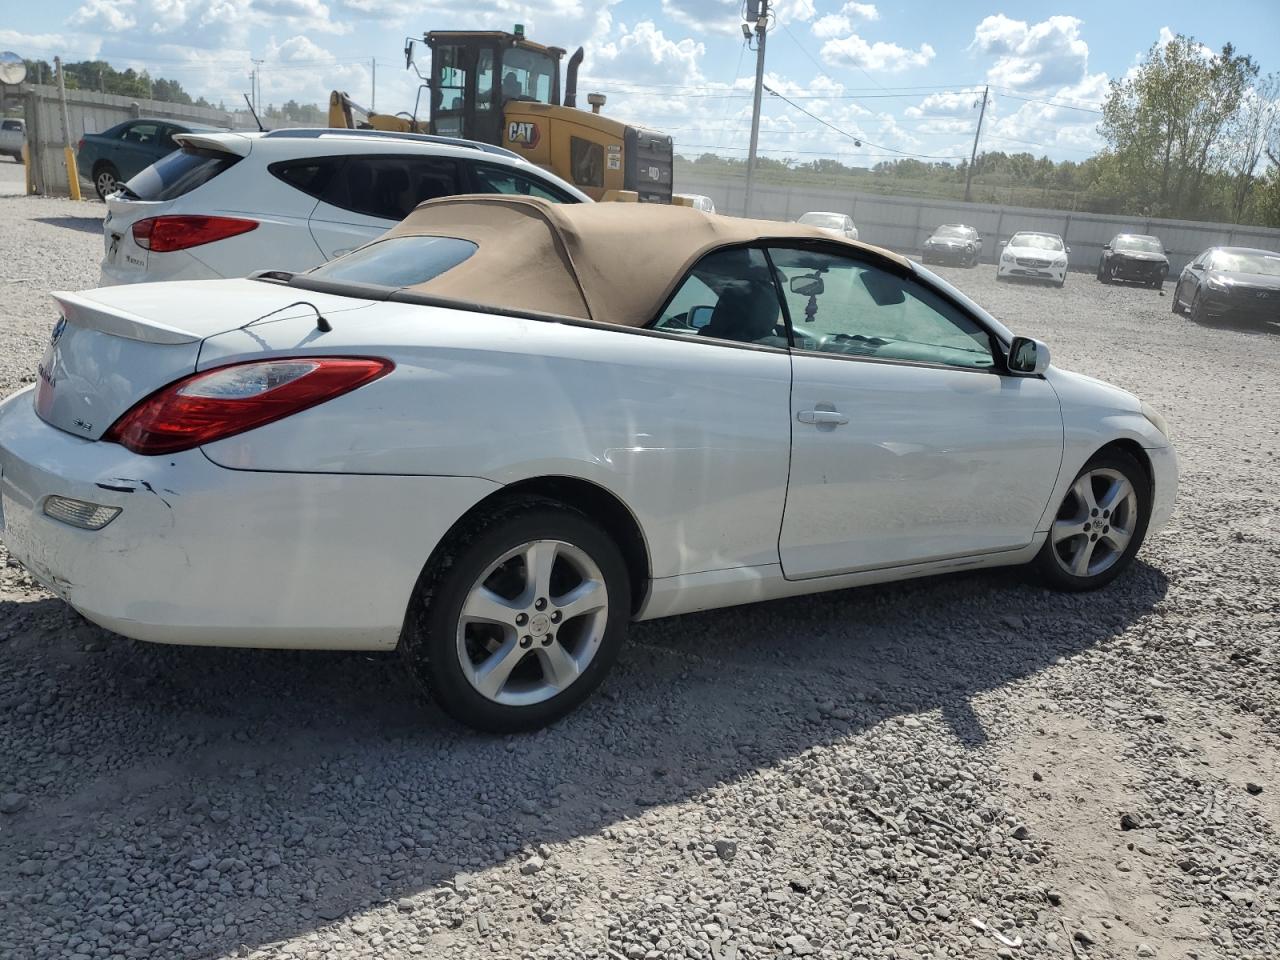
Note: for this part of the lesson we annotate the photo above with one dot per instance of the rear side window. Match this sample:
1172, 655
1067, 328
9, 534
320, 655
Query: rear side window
179, 173
491, 178
397, 261
11, 125
390, 187
311, 176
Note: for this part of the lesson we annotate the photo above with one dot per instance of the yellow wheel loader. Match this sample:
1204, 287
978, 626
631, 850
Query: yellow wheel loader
504, 89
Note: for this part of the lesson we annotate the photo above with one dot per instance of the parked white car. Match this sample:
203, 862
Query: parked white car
836, 224
13, 135
502, 431
1033, 256
227, 204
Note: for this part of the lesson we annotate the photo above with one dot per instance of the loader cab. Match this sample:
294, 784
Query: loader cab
474, 75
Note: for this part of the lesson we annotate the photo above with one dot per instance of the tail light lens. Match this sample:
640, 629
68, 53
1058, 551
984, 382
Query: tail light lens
166, 234
80, 145
222, 402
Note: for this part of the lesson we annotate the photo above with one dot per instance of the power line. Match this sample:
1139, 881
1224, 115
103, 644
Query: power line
1051, 103
860, 154
858, 141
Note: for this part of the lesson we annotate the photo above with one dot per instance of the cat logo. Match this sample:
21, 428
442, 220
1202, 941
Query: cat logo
523, 133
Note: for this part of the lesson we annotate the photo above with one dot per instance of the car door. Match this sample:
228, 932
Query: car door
372, 193
908, 442
1189, 281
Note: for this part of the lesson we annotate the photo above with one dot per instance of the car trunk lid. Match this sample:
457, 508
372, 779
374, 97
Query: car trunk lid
113, 346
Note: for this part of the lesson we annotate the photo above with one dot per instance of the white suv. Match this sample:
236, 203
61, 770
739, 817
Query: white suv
227, 204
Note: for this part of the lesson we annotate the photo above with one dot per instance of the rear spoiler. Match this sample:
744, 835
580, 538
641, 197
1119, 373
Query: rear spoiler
88, 313
221, 142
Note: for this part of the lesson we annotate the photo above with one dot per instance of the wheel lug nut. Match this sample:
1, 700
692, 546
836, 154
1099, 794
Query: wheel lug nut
526, 642
1106, 529
540, 604
1106, 513
546, 641
1094, 537
1095, 512
521, 619
555, 616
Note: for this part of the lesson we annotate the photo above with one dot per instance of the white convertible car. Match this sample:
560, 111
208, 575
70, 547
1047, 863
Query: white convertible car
497, 434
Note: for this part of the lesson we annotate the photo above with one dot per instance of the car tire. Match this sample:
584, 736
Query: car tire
1063, 282
1176, 307
1111, 485
105, 178
999, 278
533, 677
1198, 313
1102, 275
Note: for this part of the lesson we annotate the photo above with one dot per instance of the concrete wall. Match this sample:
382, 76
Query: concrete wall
903, 224
90, 112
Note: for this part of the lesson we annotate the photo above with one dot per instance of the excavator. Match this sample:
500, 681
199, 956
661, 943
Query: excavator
504, 89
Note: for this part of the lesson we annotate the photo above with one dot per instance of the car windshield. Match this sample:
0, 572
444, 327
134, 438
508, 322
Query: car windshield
952, 233
1266, 264
1037, 241
1137, 244
832, 221
396, 261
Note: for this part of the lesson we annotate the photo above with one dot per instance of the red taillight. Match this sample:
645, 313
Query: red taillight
166, 234
222, 402
80, 145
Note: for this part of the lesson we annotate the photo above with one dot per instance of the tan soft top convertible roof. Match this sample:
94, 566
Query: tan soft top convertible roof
609, 262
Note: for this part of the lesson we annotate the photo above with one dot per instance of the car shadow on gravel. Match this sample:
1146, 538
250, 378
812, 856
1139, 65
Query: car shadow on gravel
83, 224
318, 786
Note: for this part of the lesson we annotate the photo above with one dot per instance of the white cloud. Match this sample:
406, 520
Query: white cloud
1033, 57
841, 22
645, 54
956, 104
853, 51
712, 16
113, 16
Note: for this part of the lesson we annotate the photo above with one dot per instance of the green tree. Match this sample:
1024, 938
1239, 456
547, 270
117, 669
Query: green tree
1164, 123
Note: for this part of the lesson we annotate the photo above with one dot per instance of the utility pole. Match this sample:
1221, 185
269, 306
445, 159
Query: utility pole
373, 92
968, 174
257, 86
69, 155
757, 11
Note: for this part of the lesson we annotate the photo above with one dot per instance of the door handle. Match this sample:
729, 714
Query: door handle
831, 417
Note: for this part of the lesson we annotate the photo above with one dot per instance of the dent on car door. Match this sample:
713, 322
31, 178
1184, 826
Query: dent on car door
709, 463
908, 445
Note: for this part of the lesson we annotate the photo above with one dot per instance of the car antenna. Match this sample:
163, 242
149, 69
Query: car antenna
322, 324
249, 103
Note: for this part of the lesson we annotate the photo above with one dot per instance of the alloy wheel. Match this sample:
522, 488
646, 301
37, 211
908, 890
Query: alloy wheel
1095, 523
532, 622
106, 183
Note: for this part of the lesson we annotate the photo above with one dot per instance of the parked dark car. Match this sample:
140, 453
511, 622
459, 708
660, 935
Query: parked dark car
1230, 283
115, 155
953, 243
1134, 256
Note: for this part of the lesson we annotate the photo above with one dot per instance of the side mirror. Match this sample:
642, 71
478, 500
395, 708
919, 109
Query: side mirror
806, 286
1106, 246
1068, 249
1028, 356
1196, 266
699, 317
1004, 243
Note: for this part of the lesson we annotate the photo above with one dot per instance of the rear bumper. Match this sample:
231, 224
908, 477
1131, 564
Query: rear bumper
201, 554
177, 265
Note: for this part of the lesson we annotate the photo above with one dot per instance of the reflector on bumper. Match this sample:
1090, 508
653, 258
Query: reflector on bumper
79, 513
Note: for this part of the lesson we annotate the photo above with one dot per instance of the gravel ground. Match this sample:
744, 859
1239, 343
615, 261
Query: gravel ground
961, 767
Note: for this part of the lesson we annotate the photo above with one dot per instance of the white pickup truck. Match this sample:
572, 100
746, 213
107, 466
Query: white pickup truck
13, 134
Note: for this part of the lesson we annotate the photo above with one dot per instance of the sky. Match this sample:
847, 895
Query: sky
904, 79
